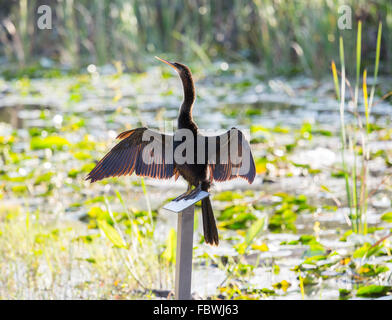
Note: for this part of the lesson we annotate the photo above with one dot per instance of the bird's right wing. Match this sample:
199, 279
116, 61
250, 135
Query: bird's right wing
230, 156
141, 151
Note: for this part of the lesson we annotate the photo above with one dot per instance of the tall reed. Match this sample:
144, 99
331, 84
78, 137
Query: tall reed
356, 173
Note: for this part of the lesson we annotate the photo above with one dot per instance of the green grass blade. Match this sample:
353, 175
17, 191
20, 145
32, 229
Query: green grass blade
359, 37
147, 202
342, 123
377, 63
366, 101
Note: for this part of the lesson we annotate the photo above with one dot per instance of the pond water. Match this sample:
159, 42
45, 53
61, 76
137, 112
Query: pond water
294, 127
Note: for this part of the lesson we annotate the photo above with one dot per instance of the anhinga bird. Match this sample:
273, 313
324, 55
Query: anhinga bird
201, 166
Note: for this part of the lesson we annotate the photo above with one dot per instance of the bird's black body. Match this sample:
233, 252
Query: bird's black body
127, 156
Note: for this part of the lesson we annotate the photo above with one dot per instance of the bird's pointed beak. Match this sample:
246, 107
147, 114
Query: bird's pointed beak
167, 62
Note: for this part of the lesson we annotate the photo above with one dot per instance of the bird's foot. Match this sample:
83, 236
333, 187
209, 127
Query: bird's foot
193, 193
190, 194
183, 196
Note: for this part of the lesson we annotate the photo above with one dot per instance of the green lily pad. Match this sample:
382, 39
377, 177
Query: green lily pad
373, 291
387, 217
52, 142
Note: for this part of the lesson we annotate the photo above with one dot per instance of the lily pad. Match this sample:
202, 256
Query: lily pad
373, 291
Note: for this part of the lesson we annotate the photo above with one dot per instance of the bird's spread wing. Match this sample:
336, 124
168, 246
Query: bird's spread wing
141, 151
232, 158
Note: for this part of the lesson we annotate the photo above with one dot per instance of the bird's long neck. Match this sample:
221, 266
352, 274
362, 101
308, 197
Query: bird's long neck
185, 118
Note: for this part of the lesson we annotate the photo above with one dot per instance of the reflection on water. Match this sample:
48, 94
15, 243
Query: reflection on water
22, 116
11, 115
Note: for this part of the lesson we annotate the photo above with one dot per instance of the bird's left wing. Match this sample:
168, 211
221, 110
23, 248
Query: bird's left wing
146, 152
230, 156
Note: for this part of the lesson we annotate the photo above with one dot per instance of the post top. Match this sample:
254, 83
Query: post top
181, 205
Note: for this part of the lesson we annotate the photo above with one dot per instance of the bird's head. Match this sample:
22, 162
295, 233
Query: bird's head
179, 67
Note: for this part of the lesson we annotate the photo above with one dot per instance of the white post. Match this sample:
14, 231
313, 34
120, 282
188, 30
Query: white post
186, 212
184, 254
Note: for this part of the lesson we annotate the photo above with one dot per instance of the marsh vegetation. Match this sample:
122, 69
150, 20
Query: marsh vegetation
315, 224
